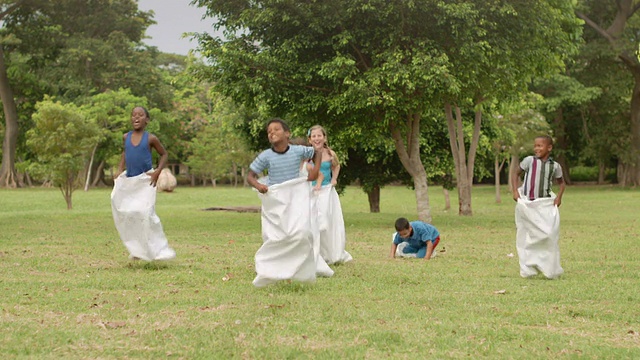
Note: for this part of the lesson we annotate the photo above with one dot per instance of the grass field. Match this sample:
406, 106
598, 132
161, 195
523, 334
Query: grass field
69, 291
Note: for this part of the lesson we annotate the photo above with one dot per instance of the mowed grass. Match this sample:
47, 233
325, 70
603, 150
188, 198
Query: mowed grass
69, 291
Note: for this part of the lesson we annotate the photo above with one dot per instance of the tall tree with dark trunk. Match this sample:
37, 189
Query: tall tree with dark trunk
7, 169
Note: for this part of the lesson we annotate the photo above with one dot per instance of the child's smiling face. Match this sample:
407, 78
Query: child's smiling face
541, 148
317, 137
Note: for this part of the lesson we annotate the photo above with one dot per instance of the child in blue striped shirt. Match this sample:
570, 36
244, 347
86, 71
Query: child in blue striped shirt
282, 161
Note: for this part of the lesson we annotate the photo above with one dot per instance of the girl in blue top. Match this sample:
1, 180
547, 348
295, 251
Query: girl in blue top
138, 143
329, 165
134, 195
330, 231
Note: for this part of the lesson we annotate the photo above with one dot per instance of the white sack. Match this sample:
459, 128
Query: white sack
331, 226
287, 249
537, 235
133, 202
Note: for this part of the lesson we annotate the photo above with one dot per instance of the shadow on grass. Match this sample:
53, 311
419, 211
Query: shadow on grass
287, 287
148, 265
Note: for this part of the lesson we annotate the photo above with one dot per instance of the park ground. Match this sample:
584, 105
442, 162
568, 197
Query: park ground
69, 291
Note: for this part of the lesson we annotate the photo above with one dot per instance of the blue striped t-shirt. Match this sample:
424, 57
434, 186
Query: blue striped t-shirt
281, 166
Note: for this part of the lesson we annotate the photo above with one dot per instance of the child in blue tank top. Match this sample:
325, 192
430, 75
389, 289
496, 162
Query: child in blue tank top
134, 196
136, 155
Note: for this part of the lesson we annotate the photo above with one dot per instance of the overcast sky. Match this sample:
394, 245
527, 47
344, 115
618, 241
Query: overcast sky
173, 18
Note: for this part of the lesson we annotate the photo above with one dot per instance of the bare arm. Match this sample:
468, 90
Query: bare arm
558, 200
335, 170
252, 179
515, 182
315, 171
429, 250
122, 163
394, 246
155, 144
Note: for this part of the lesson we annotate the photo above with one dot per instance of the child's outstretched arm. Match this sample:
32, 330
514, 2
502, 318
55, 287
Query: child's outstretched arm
155, 143
558, 200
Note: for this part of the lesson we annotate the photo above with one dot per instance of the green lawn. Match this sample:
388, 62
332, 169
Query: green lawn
69, 291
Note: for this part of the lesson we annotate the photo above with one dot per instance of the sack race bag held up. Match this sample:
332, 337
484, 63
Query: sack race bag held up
287, 250
331, 229
133, 207
537, 236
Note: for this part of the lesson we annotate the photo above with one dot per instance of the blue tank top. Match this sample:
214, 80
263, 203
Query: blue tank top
325, 169
137, 158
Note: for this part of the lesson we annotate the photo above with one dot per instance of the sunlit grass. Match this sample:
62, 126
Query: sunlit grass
68, 290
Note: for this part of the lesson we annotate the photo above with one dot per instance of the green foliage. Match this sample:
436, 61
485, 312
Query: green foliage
61, 140
590, 174
218, 149
111, 112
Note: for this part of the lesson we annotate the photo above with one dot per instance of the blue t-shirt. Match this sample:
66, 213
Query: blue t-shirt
422, 232
281, 166
325, 169
137, 157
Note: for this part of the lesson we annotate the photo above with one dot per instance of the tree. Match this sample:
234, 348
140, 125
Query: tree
7, 169
381, 64
77, 48
563, 93
218, 149
614, 23
61, 139
111, 112
497, 48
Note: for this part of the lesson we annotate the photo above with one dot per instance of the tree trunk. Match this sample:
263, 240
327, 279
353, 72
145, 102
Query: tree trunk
634, 165
88, 177
374, 199
99, 175
235, 175
497, 167
243, 174
447, 199
67, 190
601, 172
409, 155
8, 174
464, 165
561, 145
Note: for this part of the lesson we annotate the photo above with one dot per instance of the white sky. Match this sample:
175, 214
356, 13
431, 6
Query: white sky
173, 18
